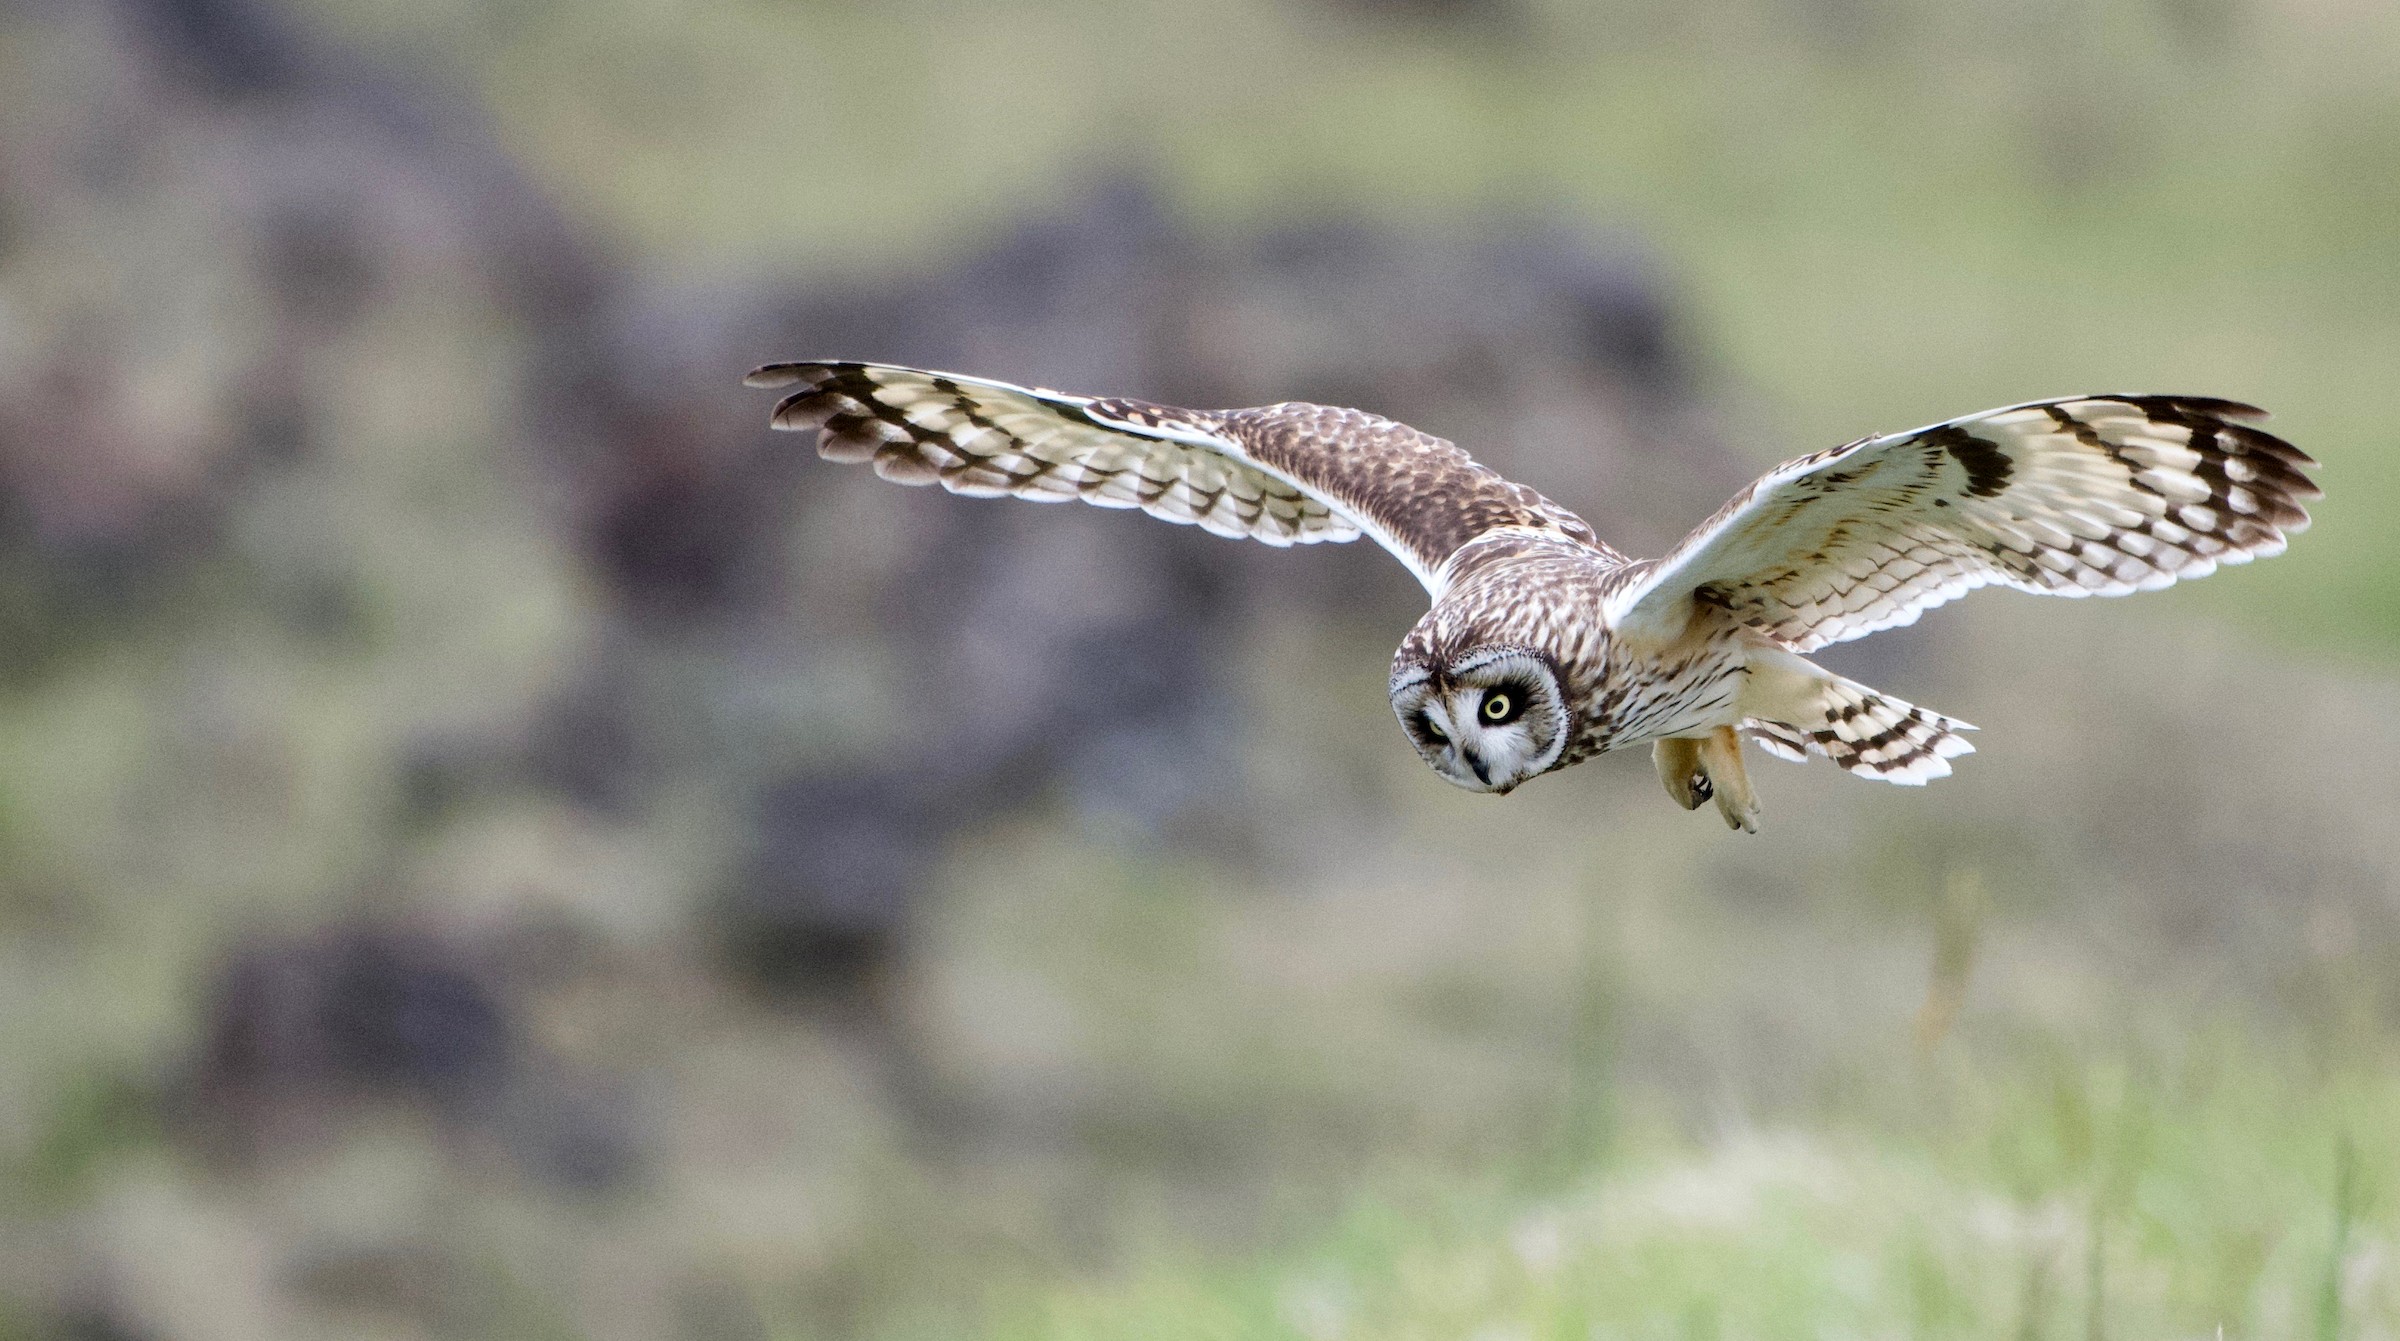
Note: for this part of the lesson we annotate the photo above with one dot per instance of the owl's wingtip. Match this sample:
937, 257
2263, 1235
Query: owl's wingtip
768, 377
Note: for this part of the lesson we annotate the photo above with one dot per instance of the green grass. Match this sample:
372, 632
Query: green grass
2057, 1198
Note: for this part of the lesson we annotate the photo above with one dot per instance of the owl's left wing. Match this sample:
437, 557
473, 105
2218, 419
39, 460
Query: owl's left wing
2086, 496
1282, 474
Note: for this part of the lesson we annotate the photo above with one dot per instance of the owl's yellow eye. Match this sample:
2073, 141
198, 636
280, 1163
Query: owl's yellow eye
1499, 706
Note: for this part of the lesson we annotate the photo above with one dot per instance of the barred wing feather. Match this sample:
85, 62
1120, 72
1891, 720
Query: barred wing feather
991, 439
2085, 496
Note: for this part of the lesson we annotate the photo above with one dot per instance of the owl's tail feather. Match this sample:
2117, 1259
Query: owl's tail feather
1870, 734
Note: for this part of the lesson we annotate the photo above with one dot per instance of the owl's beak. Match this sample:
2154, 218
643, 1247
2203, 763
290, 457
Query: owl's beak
1483, 772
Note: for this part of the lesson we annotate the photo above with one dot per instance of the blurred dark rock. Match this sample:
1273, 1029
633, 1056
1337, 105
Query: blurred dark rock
94, 1322
322, 183
821, 906
232, 48
302, 1033
1613, 298
354, 1012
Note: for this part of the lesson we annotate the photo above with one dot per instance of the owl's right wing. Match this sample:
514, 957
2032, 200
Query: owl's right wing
2080, 496
1290, 474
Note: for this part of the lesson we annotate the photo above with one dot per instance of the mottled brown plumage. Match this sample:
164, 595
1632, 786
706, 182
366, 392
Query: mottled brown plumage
1544, 646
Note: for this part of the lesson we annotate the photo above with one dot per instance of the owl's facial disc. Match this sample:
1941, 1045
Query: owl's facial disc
1486, 722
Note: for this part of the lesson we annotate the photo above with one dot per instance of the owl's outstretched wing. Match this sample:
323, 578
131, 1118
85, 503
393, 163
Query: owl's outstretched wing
1289, 474
2086, 496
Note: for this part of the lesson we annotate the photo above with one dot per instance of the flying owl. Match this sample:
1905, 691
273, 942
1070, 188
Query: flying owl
1545, 646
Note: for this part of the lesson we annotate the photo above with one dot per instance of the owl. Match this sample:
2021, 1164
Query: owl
1544, 646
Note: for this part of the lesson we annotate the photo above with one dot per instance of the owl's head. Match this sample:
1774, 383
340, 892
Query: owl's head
1486, 721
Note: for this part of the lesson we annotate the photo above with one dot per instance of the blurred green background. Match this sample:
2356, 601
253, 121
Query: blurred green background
494, 844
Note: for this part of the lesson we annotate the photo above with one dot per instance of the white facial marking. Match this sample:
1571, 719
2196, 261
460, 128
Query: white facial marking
1487, 722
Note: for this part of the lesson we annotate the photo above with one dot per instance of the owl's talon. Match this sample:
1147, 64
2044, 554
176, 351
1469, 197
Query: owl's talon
1679, 768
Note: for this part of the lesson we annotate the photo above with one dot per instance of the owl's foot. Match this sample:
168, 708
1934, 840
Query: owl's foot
1695, 770
1729, 780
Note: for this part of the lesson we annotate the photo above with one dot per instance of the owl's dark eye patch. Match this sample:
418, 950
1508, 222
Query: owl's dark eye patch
1429, 731
1502, 706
